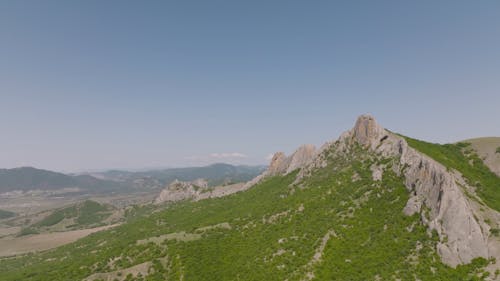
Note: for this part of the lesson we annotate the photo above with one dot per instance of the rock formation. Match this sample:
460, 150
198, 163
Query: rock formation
432, 186
180, 190
429, 183
434, 192
282, 165
279, 164
196, 190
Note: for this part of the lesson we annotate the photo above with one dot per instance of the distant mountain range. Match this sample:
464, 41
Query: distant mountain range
215, 174
29, 178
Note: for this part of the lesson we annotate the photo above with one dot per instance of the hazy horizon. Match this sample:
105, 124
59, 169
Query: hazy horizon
95, 85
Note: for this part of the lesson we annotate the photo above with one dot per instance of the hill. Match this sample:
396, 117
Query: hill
371, 205
28, 178
489, 150
82, 215
86, 214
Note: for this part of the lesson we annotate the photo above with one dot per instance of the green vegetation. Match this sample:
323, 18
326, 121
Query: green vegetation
86, 214
91, 212
6, 214
498, 150
27, 231
461, 157
327, 227
52, 219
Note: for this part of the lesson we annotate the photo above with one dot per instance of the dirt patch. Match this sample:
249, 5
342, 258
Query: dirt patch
9, 230
13, 246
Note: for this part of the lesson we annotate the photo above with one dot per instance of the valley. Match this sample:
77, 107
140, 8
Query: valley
54, 214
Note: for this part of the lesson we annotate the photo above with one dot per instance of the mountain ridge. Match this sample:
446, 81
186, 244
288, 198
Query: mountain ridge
429, 182
370, 205
463, 237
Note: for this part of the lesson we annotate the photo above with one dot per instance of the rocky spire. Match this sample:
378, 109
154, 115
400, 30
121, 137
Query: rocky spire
281, 164
367, 131
301, 157
278, 163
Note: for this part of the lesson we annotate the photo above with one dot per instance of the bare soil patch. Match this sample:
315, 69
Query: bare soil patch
10, 246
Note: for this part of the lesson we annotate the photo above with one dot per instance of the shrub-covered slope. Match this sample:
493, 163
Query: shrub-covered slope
335, 224
86, 214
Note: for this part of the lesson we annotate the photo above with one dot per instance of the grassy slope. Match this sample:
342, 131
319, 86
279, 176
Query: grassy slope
461, 157
372, 236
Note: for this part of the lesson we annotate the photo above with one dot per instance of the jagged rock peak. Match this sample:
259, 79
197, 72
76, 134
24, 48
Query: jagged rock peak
367, 131
301, 157
281, 164
278, 163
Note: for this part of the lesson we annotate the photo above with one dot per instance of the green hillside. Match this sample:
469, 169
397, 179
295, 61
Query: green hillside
337, 224
82, 215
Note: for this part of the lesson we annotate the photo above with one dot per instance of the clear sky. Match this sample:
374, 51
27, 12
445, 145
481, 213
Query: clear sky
135, 84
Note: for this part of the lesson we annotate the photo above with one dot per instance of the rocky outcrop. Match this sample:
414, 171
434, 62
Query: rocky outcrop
450, 212
196, 190
367, 132
282, 165
180, 190
432, 186
301, 157
278, 165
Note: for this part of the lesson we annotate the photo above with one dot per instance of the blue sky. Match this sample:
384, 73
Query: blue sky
134, 84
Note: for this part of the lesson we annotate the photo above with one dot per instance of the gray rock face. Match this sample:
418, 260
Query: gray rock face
367, 132
450, 212
282, 165
278, 165
301, 157
431, 185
